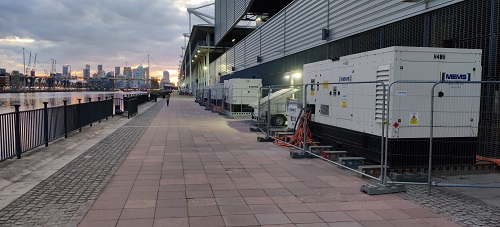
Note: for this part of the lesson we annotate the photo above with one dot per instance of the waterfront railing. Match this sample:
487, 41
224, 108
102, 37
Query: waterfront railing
22, 131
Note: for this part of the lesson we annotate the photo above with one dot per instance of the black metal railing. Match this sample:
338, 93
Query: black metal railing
22, 131
131, 103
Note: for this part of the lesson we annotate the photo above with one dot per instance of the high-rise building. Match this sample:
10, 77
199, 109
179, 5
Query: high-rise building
87, 71
166, 78
117, 71
66, 70
127, 72
100, 72
3, 71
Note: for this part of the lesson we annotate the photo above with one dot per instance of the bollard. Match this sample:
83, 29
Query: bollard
46, 124
65, 118
17, 131
91, 119
79, 115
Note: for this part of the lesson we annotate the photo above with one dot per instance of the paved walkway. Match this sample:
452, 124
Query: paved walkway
194, 168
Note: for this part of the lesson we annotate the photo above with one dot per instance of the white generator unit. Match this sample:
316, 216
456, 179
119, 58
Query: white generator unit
216, 91
278, 107
242, 91
349, 115
239, 93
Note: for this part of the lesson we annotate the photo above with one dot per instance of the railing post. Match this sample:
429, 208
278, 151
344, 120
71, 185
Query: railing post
113, 104
99, 108
106, 112
128, 104
79, 115
65, 118
17, 130
268, 132
91, 120
46, 124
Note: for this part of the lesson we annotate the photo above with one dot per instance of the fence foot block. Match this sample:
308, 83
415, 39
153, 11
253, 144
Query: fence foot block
382, 189
254, 129
265, 139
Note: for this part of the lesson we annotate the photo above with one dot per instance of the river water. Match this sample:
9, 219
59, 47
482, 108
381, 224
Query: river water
29, 101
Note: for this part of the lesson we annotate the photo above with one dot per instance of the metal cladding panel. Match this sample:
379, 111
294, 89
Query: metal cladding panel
230, 17
273, 38
239, 54
217, 68
304, 21
212, 70
351, 17
218, 15
223, 64
252, 48
229, 60
227, 15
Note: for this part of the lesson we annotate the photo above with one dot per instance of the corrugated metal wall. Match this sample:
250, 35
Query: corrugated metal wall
298, 27
227, 15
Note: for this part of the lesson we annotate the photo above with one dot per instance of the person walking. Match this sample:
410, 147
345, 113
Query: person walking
167, 98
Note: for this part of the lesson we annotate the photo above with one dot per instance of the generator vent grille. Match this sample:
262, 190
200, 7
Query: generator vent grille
325, 110
380, 100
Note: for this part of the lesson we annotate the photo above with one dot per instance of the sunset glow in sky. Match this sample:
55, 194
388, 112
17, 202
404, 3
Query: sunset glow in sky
112, 33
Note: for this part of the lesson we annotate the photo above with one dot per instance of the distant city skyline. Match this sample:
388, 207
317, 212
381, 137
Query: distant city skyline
112, 33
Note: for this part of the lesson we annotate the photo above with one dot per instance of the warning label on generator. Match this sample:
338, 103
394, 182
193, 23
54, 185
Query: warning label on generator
325, 84
414, 118
344, 101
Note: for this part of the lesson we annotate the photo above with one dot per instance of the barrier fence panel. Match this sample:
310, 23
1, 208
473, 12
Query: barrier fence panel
343, 123
275, 108
217, 99
407, 134
237, 102
464, 142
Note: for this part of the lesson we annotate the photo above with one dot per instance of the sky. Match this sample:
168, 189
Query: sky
108, 32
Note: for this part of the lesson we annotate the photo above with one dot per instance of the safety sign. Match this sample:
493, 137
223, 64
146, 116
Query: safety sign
414, 118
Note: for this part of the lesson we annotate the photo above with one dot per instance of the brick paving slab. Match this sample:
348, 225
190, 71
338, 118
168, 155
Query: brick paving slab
206, 170
191, 167
460, 208
63, 198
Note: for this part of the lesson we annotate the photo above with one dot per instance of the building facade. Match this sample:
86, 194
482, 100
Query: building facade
294, 33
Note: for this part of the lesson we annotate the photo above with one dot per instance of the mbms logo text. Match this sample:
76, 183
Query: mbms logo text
455, 77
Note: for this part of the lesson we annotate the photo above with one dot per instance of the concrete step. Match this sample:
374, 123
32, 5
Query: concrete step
351, 162
334, 155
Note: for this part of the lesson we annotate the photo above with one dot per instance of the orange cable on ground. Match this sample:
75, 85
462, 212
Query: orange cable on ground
494, 160
297, 139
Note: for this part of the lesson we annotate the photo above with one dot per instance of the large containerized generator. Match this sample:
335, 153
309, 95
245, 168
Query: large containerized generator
239, 93
349, 116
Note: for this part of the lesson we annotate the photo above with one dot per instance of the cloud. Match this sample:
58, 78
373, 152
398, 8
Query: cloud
111, 32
